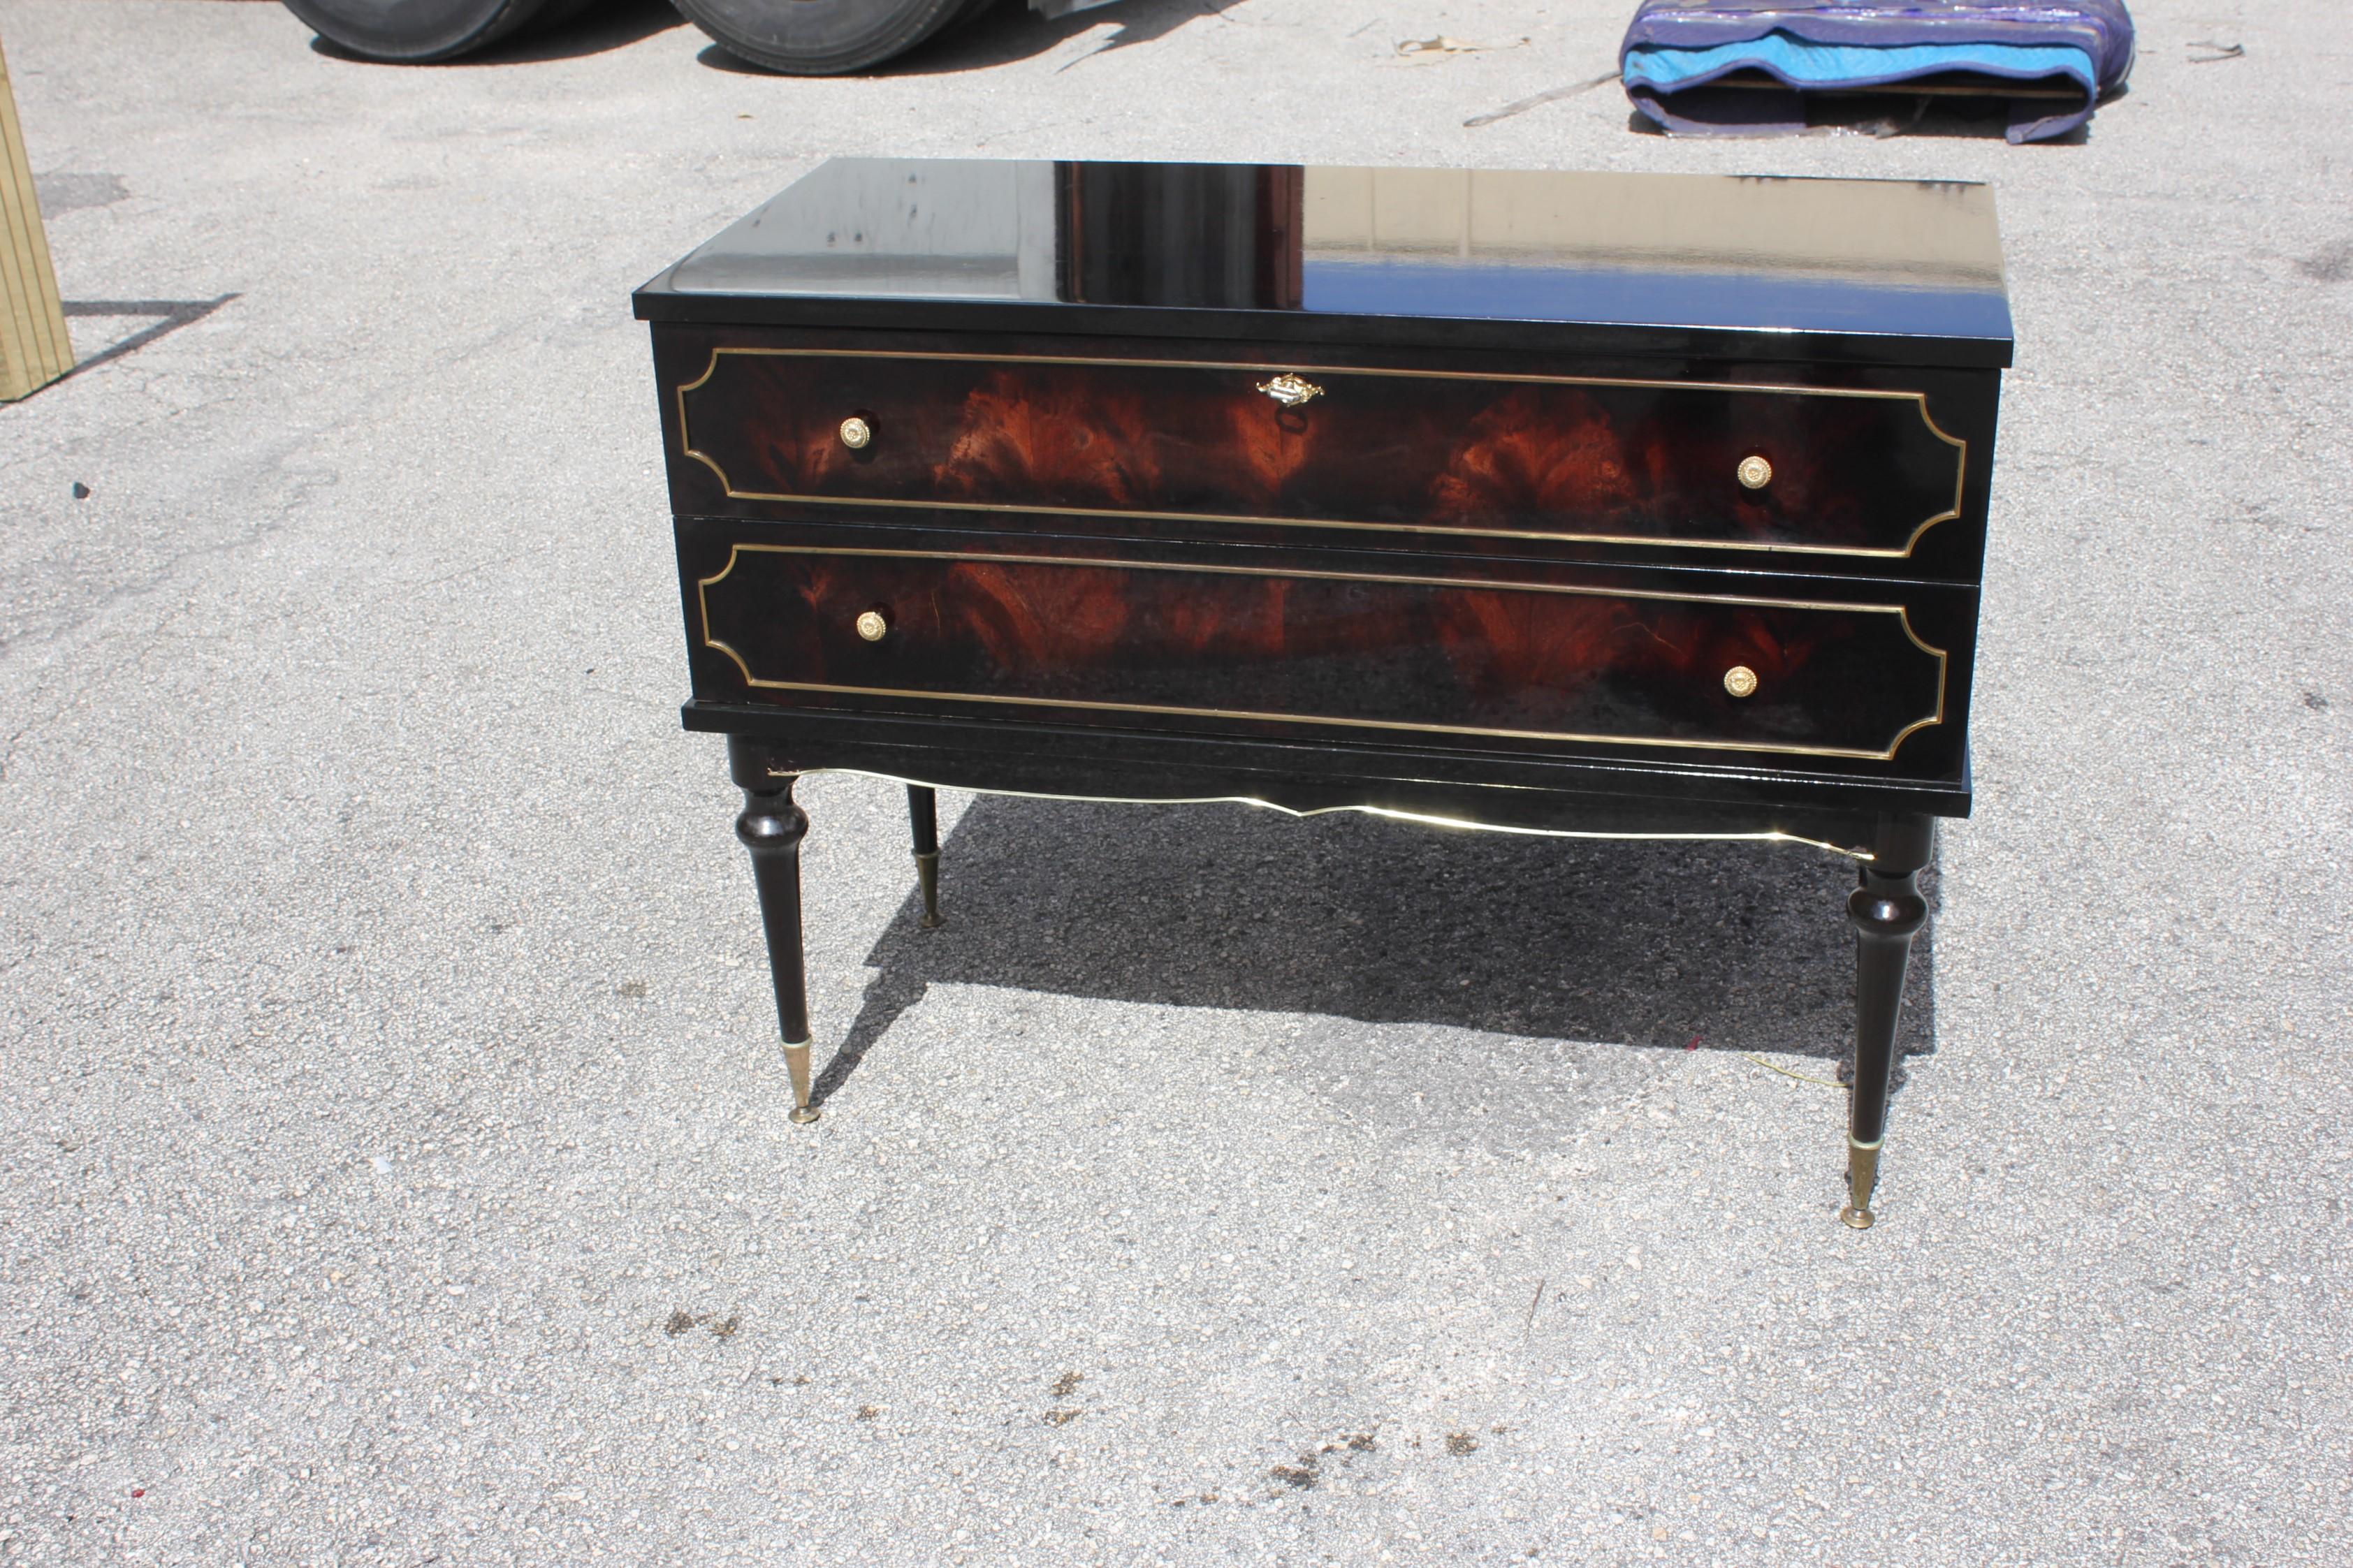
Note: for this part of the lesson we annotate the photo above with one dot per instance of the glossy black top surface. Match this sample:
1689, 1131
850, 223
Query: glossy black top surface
1867, 271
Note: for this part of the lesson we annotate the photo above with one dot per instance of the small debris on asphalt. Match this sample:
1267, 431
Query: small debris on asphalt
679, 1321
1438, 50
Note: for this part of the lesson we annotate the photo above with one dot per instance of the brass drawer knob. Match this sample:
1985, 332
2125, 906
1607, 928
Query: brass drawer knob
1289, 390
855, 433
1754, 472
1740, 681
871, 625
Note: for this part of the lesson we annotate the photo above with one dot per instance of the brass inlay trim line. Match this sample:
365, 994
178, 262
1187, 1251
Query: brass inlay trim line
1771, 836
1903, 620
1918, 399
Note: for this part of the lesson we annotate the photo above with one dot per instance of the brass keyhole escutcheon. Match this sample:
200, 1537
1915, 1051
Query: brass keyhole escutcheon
855, 433
1289, 390
1754, 472
871, 625
1740, 681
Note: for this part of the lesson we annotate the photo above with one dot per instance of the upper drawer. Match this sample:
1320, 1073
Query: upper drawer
1686, 464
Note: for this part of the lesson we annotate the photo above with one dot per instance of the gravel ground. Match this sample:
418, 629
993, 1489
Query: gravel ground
394, 1166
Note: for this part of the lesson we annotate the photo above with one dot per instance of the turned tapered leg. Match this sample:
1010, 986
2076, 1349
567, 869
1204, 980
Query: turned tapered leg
924, 816
772, 829
1887, 910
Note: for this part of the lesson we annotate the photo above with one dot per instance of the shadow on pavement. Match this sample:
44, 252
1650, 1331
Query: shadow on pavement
1012, 31
606, 25
1641, 943
162, 316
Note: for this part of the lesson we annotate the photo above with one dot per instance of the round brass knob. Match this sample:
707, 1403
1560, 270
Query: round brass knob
871, 625
1754, 472
1740, 681
856, 432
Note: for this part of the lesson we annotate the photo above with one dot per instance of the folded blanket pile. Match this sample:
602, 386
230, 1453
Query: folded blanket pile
1745, 66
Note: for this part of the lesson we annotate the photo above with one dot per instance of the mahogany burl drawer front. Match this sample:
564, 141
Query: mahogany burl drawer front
1327, 653
1707, 466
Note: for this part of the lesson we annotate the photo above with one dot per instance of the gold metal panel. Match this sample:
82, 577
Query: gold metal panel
1919, 400
1904, 622
35, 348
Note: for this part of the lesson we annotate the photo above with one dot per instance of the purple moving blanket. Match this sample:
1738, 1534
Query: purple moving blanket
1676, 53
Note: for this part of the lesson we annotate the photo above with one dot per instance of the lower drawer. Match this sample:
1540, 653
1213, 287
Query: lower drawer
1318, 652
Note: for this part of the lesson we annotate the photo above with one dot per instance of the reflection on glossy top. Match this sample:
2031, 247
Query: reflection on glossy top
1917, 260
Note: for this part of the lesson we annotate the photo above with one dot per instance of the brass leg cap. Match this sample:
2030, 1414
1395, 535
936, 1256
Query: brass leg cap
928, 882
1861, 1182
797, 1063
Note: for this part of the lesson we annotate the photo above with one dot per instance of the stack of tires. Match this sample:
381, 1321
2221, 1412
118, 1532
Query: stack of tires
803, 37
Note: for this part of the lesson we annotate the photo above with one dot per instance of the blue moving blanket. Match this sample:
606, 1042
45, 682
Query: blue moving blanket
1676, 52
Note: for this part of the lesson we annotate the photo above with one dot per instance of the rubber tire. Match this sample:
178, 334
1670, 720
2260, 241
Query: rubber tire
820, 37
414, 32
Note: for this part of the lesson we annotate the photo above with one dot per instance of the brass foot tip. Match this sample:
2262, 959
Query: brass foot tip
1862, 1182
927, 885
805, 1114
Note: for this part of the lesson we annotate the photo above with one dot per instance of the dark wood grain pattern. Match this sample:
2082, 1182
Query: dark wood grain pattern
1313, 652
1854, 471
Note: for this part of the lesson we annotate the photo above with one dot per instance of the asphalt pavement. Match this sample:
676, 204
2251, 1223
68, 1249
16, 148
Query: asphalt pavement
392, 1160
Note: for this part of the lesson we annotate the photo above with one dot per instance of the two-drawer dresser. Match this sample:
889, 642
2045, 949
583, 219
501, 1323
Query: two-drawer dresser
1559, 503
